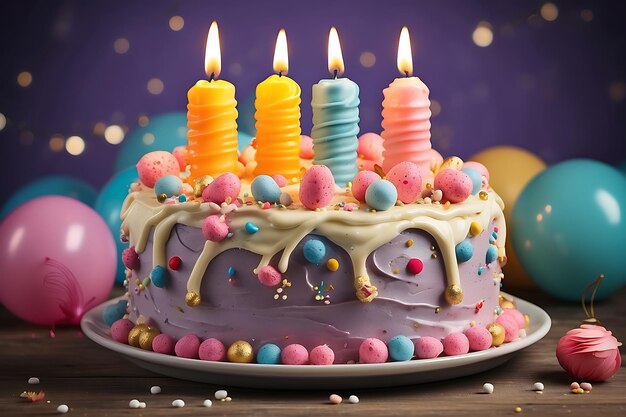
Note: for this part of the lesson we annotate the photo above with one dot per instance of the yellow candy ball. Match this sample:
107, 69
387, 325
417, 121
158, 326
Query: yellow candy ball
240, 352
147, 336
332, 264
135, 332
454, 294
475, 229
192, 299
497, 334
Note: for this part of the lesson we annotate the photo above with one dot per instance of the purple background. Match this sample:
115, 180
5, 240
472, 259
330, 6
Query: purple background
556, 88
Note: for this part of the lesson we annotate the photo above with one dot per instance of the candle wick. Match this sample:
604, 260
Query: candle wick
280, 73
335, 74
406, 74
212, 77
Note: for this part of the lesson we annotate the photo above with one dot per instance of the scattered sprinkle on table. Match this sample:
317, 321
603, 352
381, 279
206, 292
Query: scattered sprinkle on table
221, 394
142, 405
133, 403
335, 399
155, 389
518, 409
586, 386
63, 409
353, 399
488, 388
33, 380
178, 403
207, 403
538, 386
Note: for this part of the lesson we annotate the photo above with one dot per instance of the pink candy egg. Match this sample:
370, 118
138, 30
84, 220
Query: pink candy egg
427, 347
120, 330
214, 229
361, 181
187, 346
482, 170
373, 350
317, 187
306, 147
225, 186
455, 344
479, 338
455, 185
322, 355
247, 154
370, 147
294, 354
280, 180
155, 165
269, 276
516, 315
406, 177
212, 350
511, 329
130, 259
163, 343
179, 153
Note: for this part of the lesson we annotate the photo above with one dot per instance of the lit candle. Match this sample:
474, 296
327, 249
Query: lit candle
406, 115
211, 118
336, 118
278, 119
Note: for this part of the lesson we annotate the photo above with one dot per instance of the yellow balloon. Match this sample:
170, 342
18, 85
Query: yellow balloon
510, 169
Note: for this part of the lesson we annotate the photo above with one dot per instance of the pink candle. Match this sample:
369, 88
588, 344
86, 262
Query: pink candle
406, 115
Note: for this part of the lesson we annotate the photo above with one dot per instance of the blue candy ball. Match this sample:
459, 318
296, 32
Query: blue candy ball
477, 179
264, 188
464, 251
492, 254
314, 251
114, 312
381, 195
401, 348
168, 185
268, 354
159, 276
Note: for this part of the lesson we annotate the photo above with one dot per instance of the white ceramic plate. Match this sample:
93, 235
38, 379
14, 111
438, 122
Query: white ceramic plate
328, 376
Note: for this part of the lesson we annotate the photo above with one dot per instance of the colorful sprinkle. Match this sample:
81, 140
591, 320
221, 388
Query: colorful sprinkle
464, 251
159, 276
415, 266
231, 271
314, 251
475, 229
409, 243
332, 264
492, 254
251, 228
174, 263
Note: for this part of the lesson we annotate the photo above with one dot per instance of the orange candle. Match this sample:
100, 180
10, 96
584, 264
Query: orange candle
212, 119
278, 119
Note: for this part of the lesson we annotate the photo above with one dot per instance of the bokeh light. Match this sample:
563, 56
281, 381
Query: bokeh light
114, 134
56, 143
121, 45
549, 12
75, 145
367, 59
98, 128
586, 15
143, 120
24, 79
176, 23
483, 35
3, 121
27, 137
155, 86
148, 139
435, 107
617, 91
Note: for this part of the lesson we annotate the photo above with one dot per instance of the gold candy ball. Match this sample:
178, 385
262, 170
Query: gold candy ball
507, 304
240, 352
147, 336
527, 320
192, 299
497, 334
135, 332
161, 198
483, 195
454, 294
453, 162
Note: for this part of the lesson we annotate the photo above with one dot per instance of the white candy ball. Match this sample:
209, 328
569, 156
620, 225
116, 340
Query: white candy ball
142, 405
155, 389
538, 386
353, 399
488, 388
133, 403
33, 380
178, 403
207, 403
63, 409
221, 394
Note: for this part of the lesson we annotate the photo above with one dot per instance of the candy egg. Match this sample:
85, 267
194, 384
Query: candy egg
169, 185
477, 179
317, 187
482, 170
453, 162
264, 188
492, 254
187, 346
180, 152
163, 343
212, 350
130, 258
464, 251
247, 154
223, 187
406, 177
268, 354
517, 316
294, 354
361, 181
159, 276
322, 355
214, 229
511, 329
401, 348
120, 330
370, 146
314, 251
155, 165
381, 195
427, 347
415, 266
373, 350
479, 338
269, 276
455, 344
306, 147
455, 185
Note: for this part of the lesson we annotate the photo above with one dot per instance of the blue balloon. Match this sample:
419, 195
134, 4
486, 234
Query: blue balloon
54, 185
109, 206
569, 227
163, 132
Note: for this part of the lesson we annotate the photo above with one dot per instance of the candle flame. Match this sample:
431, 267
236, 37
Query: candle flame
335, 58
405, 59
213, 55
281, 56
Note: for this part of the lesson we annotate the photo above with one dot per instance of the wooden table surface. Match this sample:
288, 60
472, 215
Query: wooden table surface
92, 380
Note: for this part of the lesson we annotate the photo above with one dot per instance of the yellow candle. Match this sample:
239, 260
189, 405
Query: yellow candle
278, 119
211, 119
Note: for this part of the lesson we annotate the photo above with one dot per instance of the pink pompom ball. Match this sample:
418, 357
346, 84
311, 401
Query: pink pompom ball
163, 343
322, 355
361, 181
212, 350
373, 350
515, 315
180, 152
269, 276
294, 354
226, 186
306, 147
281, 181
406, 177
317, 187
511, 329
455, 185
130, 259
479, 338
120, 330
427, 347
482, 170
455, 344
155, 165
187, 346
370, 147
214, 229
589, 353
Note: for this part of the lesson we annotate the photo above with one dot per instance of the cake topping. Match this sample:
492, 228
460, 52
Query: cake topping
154, 165
455, 185
406, 177
314, 251
361, 181
381, 195
317, 187
225, 188
264, 188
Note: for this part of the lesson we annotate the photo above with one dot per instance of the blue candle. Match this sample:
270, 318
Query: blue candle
335, 106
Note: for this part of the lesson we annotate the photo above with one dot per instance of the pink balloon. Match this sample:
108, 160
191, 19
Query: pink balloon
58, 260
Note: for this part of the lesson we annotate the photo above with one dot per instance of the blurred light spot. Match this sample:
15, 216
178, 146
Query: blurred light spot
143, 120
235, 69
74, 237
27, 137
24, 79
148, 139
527, 244
617, 91
114, 134
155, 86
549, 12
98, 128
435, 107
483, 35
586, 15
539, 217
609, 206
367, 59
548, 208
75, 145
3, 121
121, 45
176, 23
57, 143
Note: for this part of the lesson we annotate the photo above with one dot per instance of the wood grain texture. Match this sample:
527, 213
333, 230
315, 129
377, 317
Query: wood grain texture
94, 381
